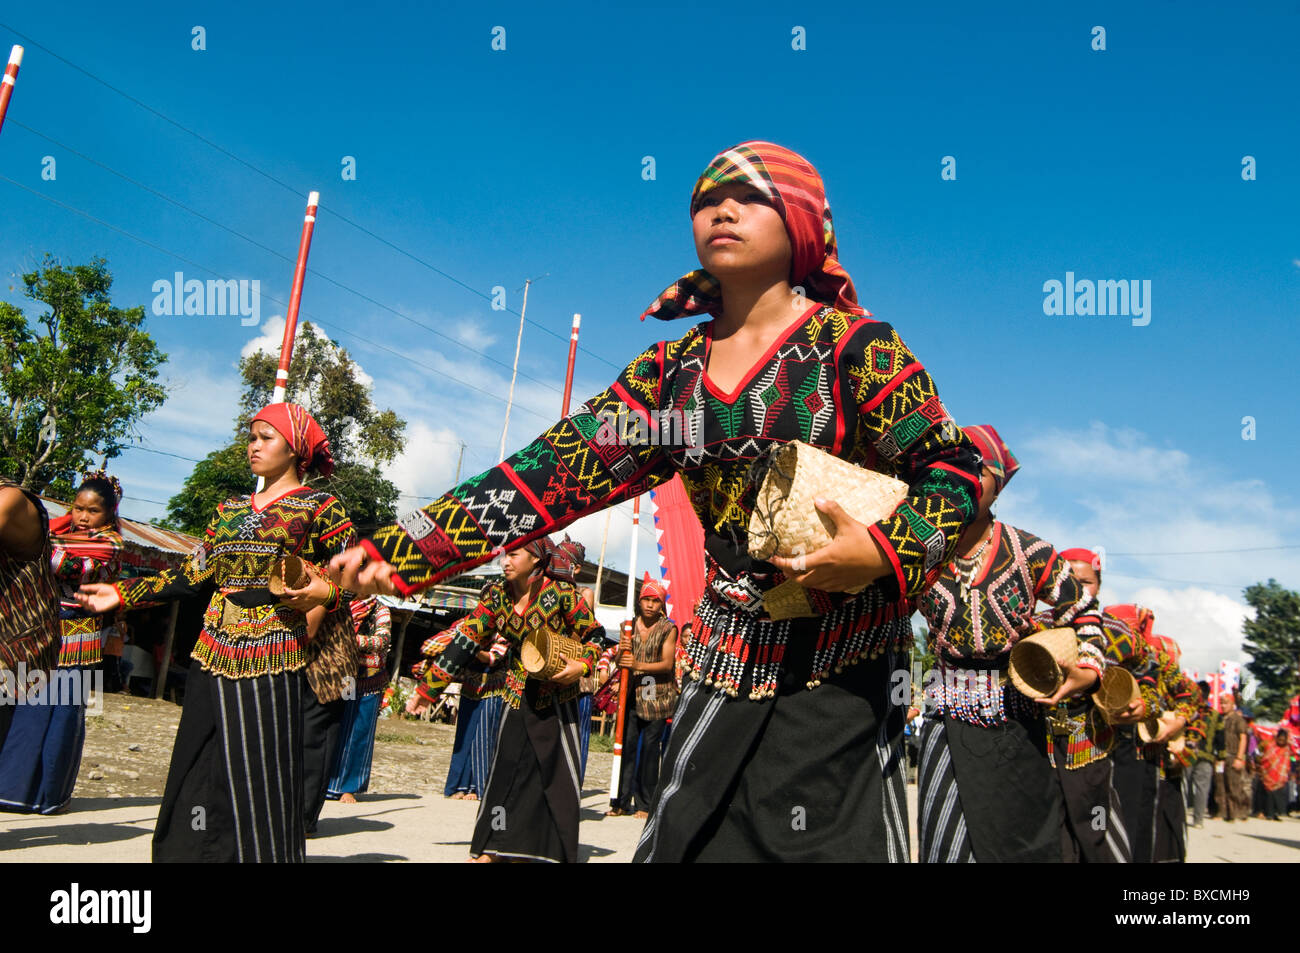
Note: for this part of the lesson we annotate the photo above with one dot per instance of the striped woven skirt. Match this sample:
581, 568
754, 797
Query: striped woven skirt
805, 775
987, 794
356, 750
1094, 830
529, 810
235, 786
42, 755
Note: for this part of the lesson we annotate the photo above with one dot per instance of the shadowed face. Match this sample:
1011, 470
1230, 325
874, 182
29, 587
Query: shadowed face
1086, 575
269, 454
651, 606
90, 512
738, 232
518, 564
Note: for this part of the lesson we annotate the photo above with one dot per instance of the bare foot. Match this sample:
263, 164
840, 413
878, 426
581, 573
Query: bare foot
482, 859
458, 796
471, 796
641, 814
346, 798
615, 812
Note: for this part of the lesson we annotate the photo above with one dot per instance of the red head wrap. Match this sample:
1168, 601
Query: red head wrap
1168, 646
1138, 618
1083, 556
795, 189
997, 455
304, 435
652, 589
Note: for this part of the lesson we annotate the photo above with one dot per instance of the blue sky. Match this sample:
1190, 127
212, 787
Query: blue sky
494, 166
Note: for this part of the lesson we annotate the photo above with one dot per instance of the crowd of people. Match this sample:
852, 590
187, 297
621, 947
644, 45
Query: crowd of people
761, 738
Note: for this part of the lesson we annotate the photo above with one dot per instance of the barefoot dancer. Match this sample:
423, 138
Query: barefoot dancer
350, 773
529, 810
38, 769
235, 786
789, 354
29, 600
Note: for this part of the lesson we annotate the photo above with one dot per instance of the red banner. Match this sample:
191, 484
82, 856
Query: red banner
680, 541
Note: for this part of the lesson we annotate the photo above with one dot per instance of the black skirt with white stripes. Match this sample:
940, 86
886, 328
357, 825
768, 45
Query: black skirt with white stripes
987, 794
805, 776
529, 810
235, 787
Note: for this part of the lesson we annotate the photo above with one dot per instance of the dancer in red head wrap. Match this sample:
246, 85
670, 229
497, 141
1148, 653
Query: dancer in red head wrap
261, 659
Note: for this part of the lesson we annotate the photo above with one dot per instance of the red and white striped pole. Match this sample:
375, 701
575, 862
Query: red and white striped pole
295, 297
568, 374
623, 674
291, 313
10, 78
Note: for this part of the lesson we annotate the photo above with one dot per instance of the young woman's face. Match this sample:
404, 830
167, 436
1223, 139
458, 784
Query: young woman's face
269, 454
89, 512
1086, 575
518, 564
988, 491
738, 232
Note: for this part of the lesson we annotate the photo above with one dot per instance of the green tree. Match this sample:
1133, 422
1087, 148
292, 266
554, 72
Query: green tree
75, 380
323, 378
1273, 643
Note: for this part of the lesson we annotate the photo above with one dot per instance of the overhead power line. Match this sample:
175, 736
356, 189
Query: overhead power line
285, 185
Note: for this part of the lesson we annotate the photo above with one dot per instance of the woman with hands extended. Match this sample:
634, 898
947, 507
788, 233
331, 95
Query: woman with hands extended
758, 766
235, 786
529, 808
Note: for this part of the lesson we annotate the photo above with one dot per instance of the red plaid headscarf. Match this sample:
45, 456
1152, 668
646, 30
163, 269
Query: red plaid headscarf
794, 187
997, 455
303, 434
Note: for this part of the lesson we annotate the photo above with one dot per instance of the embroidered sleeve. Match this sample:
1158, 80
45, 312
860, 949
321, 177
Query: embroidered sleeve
497, 650
599, 455
1071, 603
195, 577
913, 438
1120, 645
459, 644
381, 631
331, 533
580, 619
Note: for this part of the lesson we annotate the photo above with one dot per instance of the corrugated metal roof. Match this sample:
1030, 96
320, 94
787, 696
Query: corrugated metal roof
147, 546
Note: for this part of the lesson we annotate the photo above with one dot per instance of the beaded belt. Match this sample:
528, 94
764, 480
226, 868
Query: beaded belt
729, 648
977, 696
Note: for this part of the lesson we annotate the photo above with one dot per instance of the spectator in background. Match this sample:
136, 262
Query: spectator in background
1200, 739
1274, 769
355, 747
1236, 781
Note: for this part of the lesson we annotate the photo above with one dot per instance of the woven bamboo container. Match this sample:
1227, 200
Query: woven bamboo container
1036, 661
540, 654
1117, 691
785, 520
289, 568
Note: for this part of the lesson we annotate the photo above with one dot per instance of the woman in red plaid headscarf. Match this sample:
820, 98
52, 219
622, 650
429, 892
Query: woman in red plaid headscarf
782, 352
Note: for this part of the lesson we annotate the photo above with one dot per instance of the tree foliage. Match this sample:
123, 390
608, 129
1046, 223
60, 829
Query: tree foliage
1273, 642
74, 381
324, 379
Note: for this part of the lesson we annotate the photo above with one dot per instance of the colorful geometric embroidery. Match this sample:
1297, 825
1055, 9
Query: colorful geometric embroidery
843, 383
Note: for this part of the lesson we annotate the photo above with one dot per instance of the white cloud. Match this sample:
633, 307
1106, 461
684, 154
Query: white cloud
1156, 511
1205, 624
270, 337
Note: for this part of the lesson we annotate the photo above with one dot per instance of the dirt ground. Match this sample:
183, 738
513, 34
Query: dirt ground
129, 746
